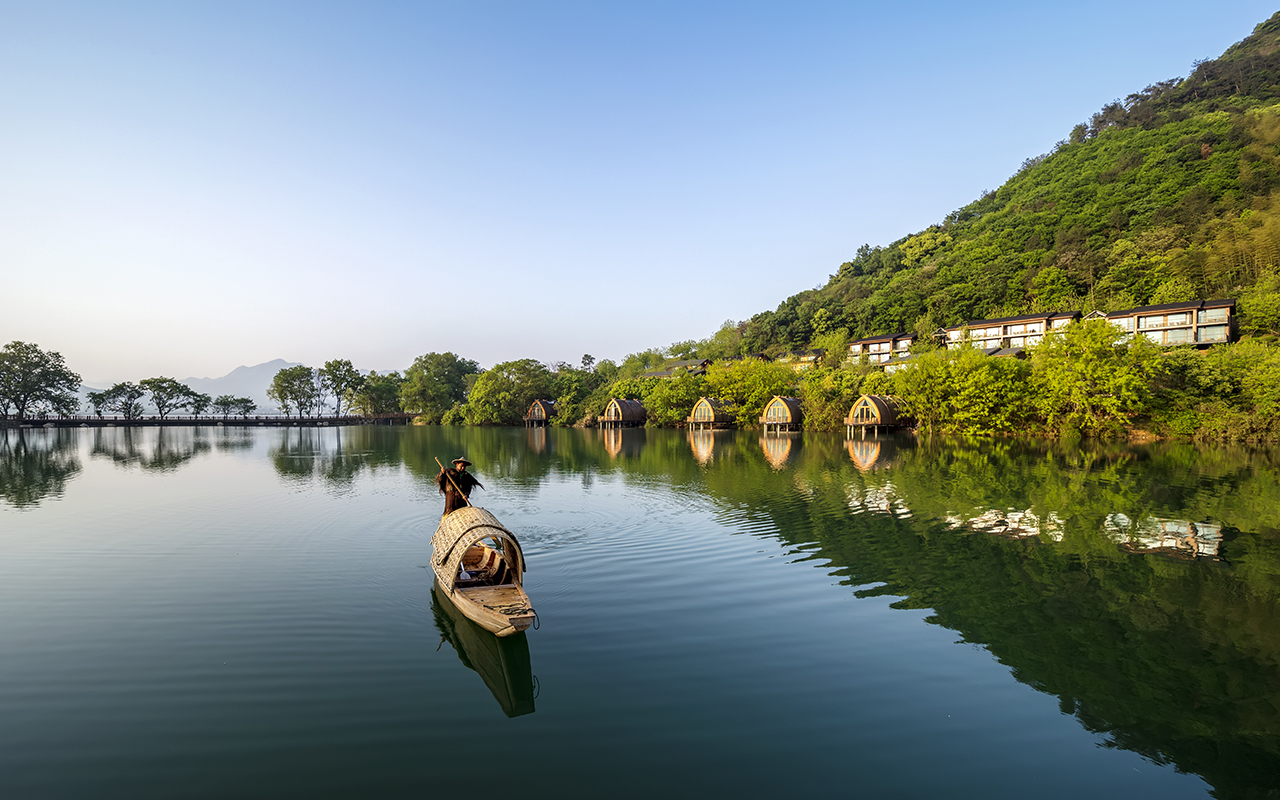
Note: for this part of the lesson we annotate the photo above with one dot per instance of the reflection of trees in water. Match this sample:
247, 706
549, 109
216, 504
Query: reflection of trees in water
230, 439
36, 464
333, 455
159, 449
1177, 659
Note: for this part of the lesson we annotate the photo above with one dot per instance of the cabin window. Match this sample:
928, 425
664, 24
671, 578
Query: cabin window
1035, 327
1033, 340
1213, 333
1018, 341
855, 348
1212, 315
702, 413
954, 335
777, 412
904, 344
1016, 329
613, 412
1125, 323
1177, 336
865, 413
1060, 323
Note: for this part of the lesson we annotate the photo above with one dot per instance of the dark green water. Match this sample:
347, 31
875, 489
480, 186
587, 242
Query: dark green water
248, 613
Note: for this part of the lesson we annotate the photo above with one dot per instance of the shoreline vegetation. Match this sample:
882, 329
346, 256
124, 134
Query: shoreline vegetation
1168, 195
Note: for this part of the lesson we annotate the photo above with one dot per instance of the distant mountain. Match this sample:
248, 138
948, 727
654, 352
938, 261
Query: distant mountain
251, 382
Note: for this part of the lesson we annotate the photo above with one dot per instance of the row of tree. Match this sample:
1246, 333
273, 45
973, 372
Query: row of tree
167, 396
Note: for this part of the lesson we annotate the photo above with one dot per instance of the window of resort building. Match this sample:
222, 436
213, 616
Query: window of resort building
1164, 320
1211, 315
1213, 333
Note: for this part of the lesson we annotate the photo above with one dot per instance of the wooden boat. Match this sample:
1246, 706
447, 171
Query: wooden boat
503, 664
479, 567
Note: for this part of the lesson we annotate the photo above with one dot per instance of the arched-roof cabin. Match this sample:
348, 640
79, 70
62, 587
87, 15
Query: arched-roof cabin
623, 413
782, 414
709, 414
540, 414
877, 411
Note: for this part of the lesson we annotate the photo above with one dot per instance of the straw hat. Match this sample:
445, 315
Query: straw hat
461, 461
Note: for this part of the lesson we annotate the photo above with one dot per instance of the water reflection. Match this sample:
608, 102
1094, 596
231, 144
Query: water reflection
703, 445
1058, 561
35, 465
334, 456
777, 449
874, 453
503, 663
150, 449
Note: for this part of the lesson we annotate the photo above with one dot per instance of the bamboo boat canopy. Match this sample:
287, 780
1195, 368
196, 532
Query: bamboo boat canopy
467, 526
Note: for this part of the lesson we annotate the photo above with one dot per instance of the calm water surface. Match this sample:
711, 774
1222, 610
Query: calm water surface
232, 612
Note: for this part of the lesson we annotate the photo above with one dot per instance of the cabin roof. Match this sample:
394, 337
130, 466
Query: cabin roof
631, 410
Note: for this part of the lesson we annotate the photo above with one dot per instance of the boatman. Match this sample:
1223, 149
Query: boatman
451, 481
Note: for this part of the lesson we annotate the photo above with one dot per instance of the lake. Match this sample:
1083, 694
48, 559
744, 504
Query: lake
248, 612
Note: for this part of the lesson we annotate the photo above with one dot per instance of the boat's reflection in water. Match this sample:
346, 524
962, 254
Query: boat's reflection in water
503, 663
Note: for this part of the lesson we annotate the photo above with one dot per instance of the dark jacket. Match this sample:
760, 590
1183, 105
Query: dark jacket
462, 480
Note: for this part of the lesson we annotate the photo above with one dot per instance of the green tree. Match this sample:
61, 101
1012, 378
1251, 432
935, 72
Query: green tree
198, 402
338, 378
35, 381
295, 389
123, 398
224, 404
672, 399
167, 395
502, 395
749, 385
1089, 378
376, 395
434, 383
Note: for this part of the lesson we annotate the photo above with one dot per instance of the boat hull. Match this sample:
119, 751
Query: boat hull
479, 567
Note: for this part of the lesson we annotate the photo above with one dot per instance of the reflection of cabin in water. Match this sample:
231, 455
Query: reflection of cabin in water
623, 413
619, 442
1172, 537
540, 414
537, 438
870, 454
710, 414
777, 449
703, 444
876, 411
782, 414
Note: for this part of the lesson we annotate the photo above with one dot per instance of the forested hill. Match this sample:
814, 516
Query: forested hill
1172, 193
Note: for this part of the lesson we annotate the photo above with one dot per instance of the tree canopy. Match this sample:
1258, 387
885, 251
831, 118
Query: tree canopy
35, 381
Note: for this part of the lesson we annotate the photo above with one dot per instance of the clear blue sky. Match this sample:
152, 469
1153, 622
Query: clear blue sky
188, 187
